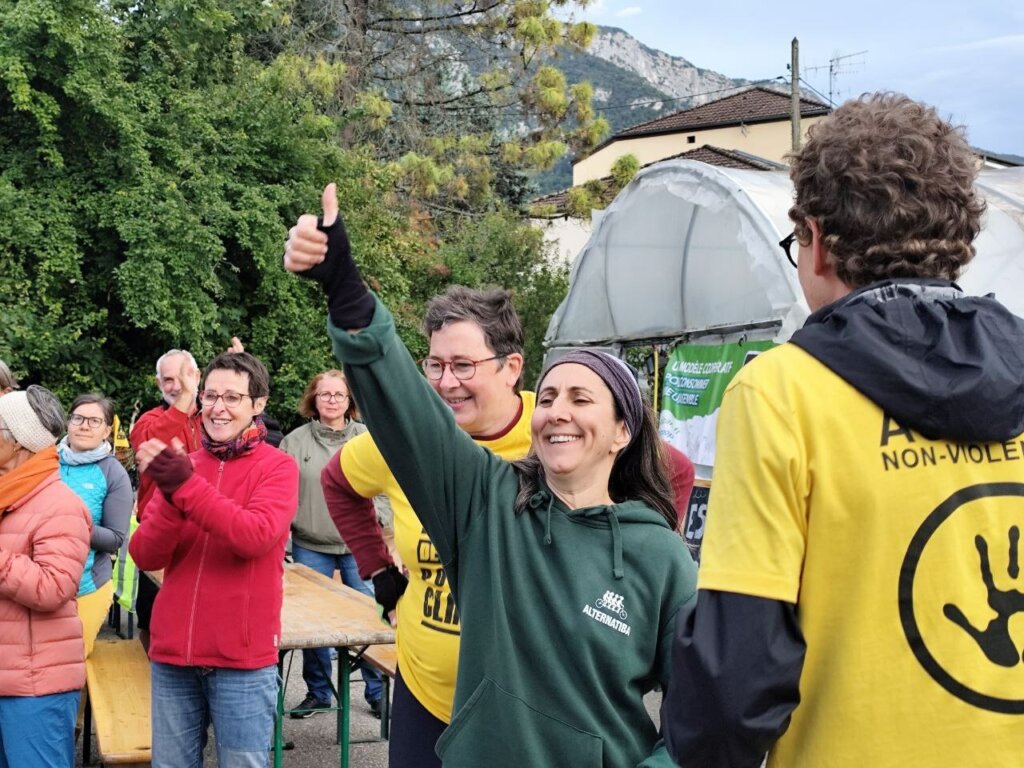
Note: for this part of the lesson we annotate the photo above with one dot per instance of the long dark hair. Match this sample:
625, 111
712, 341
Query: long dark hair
639, 473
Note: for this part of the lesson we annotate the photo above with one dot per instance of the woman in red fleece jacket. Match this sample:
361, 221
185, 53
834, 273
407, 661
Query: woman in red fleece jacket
218, 529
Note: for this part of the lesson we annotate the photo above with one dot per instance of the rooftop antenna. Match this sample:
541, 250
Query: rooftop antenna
839, 64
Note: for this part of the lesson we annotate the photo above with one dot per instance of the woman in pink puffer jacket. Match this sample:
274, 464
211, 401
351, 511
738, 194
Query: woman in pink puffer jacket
44, 542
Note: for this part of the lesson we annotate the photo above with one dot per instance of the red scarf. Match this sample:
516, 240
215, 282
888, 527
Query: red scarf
244, 442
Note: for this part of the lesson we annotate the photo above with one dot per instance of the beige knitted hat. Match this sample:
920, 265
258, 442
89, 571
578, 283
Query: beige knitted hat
19, 417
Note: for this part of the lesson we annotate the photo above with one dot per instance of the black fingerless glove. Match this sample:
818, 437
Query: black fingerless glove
388, 586
349, 303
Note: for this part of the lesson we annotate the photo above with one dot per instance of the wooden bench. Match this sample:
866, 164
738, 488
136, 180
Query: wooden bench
118, 701
384, 659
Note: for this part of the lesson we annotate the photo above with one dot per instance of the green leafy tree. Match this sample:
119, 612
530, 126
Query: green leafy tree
148, 167
499, 249
153, 154
461, 97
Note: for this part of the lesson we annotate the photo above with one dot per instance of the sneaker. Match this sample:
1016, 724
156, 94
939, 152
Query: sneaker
375, 707
310, 706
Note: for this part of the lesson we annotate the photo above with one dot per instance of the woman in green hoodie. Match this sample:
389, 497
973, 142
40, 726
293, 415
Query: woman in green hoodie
566, 568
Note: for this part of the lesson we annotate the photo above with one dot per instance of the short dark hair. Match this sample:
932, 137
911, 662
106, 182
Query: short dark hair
105, 404
243, 362
492, 310
307, 403
891, 185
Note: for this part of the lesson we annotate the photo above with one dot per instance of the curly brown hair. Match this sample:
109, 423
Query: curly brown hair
307, 403
891, 186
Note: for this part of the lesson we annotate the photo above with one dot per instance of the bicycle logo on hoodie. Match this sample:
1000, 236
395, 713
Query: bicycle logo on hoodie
610, 601
613, 604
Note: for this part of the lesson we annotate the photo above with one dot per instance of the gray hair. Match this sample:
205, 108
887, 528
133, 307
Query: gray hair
7, 380
172, 353
47, 409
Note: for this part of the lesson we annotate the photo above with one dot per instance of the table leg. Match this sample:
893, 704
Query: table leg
344, 672
279, 718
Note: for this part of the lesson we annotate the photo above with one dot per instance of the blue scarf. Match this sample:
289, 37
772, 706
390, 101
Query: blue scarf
70, 456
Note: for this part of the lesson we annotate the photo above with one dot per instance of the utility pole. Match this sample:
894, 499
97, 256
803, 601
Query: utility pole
794, 117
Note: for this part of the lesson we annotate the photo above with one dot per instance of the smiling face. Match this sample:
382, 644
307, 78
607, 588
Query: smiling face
85, 437
224, 423
486, 403
168, 380
575, 431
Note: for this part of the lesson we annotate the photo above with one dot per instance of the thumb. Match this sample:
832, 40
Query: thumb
178, 446
329, 200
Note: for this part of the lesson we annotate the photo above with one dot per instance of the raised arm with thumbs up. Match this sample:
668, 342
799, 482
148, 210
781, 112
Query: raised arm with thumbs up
320, 250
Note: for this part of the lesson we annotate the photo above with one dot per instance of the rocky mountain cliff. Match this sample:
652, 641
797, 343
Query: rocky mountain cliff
633, 84
672, 75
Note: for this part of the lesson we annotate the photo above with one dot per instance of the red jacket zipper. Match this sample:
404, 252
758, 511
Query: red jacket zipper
199, 575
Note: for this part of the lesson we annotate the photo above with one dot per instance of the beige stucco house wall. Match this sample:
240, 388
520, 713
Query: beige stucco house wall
770, 140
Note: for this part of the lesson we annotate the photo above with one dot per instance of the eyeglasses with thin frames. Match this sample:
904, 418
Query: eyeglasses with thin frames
231, 399
462, 368
329, 397
77, 420
785, 244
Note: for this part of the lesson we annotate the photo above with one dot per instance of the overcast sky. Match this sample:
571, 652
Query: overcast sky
964, 58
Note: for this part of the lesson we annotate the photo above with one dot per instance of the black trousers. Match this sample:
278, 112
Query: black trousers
414, 731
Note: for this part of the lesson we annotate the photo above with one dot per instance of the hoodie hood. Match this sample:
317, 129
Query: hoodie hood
939, 362
611, 516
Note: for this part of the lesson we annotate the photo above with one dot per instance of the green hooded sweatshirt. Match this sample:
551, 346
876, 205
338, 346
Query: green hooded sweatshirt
567, 615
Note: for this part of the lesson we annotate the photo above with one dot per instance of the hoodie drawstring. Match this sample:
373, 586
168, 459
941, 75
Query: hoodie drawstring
617, 570
537, 501
613, 523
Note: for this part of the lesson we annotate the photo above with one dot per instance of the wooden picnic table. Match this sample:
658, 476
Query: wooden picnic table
318, 612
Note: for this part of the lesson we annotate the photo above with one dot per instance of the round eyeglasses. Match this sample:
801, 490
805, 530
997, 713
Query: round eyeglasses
462, 368
785, 244
77, 420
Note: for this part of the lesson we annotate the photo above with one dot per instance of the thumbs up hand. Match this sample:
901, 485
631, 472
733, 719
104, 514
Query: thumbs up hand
320, 250
308, 241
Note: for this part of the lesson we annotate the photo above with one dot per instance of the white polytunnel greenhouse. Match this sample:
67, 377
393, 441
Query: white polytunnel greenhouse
687, 248
686, 261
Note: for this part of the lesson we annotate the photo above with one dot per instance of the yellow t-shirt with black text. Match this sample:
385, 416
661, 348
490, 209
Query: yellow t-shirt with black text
428, 621
902, 555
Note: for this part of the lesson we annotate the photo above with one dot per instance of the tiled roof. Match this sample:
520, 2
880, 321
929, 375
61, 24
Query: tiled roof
725, 158
753, 105
557, 199
728, 158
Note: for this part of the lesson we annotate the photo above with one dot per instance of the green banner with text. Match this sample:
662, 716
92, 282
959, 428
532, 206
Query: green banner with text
694, 381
